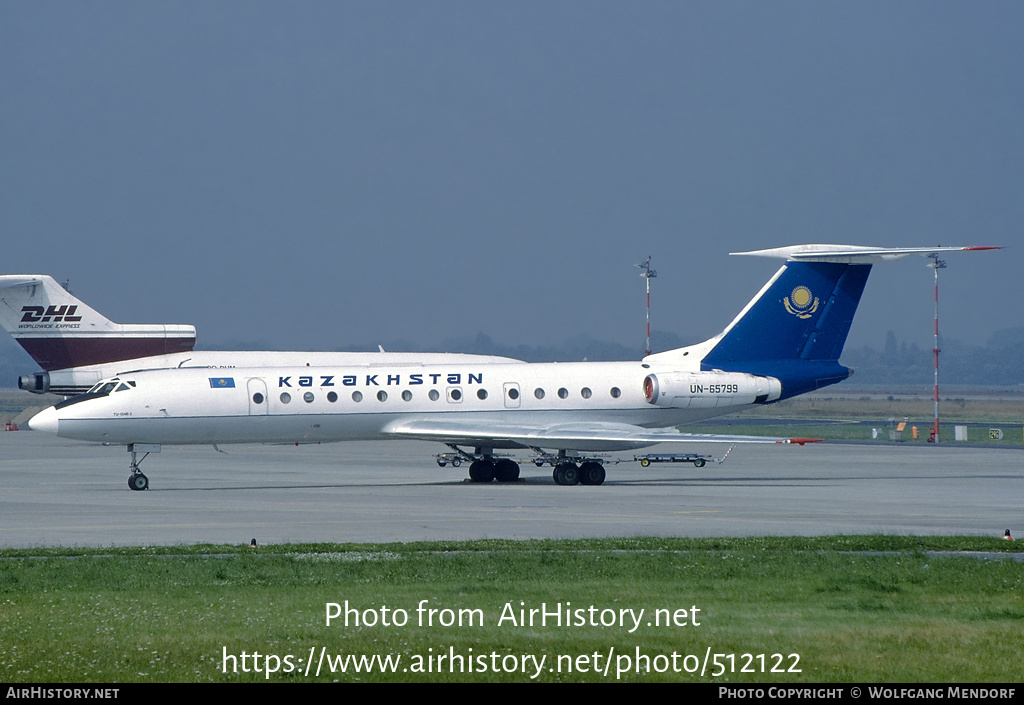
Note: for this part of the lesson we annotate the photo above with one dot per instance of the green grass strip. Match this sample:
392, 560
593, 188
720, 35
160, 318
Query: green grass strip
828, 609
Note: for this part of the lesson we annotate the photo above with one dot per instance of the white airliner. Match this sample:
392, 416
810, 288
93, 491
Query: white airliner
785, 342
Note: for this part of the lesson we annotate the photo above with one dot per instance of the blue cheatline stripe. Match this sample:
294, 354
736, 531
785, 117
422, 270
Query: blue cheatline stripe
222, 382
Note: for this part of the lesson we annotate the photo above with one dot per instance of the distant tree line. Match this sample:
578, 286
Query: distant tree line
999, 362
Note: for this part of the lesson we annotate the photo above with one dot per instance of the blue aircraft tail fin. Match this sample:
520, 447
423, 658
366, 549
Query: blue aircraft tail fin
796, 326
795, 329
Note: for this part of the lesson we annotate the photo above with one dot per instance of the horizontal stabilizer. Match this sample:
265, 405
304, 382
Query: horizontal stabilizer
853, 254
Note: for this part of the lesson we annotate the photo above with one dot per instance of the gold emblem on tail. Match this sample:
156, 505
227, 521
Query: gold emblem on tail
801, 303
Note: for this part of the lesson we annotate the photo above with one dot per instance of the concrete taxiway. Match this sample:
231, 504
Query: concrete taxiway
55, 492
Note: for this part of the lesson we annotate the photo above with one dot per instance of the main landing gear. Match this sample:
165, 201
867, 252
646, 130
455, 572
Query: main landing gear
569, 470
484, 467
589, 472
137, 481
487, 469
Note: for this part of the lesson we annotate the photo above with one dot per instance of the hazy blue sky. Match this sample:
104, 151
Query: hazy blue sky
316, 174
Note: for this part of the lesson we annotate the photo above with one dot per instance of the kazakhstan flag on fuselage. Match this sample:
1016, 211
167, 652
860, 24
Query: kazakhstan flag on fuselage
222, 382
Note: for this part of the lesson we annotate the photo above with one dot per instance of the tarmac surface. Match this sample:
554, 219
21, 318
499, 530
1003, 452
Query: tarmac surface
55, 492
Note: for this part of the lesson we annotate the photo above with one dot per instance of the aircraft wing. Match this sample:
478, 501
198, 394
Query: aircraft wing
580, 436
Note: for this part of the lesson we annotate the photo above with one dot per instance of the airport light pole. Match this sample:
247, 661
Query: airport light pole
648, 274
936, 265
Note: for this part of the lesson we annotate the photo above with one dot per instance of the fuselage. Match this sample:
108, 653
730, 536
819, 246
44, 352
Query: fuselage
310, 404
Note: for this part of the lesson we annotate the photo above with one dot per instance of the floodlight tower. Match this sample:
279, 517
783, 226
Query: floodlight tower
647, 273
936, 265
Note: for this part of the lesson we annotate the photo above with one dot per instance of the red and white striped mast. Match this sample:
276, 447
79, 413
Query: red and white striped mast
936, 265
648, 274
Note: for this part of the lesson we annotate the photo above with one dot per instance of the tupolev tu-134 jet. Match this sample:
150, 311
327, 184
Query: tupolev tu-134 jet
785, 342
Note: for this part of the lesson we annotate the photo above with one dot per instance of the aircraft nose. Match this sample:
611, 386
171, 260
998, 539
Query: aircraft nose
45, 420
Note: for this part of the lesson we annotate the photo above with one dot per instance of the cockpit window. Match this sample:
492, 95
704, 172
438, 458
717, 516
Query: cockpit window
106, 388
114, 385
101, 389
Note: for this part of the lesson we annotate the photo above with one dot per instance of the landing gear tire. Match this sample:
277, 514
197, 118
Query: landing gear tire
481, 471
506, 470
592, 474
566, 474
138, 482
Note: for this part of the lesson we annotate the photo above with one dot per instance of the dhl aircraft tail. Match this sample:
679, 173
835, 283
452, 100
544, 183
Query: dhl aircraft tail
60, 332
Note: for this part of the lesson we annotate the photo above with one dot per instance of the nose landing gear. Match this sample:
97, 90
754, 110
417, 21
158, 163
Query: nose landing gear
137, 481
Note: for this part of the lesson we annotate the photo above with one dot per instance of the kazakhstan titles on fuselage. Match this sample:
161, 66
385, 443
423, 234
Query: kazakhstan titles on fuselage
349, 380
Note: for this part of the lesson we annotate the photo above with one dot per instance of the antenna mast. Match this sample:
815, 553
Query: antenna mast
648, 274
936, 265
